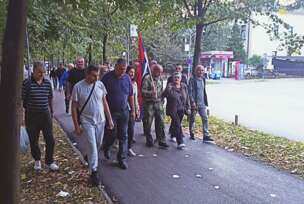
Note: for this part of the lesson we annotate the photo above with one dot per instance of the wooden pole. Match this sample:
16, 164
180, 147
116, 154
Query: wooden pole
236, 120
10, 103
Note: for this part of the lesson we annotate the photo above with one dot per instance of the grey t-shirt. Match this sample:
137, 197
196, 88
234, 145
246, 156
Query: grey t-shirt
200, 94
93, 112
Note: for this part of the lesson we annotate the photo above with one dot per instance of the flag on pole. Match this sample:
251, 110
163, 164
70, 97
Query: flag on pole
143, 67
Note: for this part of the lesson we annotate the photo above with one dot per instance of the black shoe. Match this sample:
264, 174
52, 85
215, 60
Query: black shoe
208, 139
94, 179
106, 154
133, 141
86, 158
163, 145
192, 136
149, 144
123, 165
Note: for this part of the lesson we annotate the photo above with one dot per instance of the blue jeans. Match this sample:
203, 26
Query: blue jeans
55, 82
120, 120
204, 117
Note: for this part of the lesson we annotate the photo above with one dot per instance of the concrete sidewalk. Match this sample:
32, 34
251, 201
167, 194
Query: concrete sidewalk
202, 173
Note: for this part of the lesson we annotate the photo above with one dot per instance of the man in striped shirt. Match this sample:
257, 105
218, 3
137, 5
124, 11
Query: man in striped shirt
37, 98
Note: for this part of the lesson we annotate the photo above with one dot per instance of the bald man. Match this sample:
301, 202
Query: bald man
199, 102
78, 73
153, 107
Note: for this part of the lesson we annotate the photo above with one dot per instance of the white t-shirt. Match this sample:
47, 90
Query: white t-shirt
93, 112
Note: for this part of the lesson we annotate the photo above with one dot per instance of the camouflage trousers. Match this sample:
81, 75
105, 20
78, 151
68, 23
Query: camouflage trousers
154, 110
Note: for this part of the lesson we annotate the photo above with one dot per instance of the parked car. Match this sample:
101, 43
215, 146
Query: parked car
267, 73
215, 75
251, 73
260, 73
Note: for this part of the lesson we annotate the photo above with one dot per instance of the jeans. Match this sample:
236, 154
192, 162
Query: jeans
204, 117
120, 120
93, 136
176, 120
36, 122
55, 82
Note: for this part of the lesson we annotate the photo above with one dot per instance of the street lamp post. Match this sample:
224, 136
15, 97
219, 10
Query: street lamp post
188, 50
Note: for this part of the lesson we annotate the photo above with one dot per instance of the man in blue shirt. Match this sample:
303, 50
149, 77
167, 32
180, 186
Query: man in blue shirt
120, 94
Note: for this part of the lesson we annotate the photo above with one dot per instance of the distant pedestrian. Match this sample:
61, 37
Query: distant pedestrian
89, 108
179, 69
103, 69
121, 100
178, 105
59, 72
131, 72
77, 74
54, 78
153, 108
198, 102
37, 96
66, 87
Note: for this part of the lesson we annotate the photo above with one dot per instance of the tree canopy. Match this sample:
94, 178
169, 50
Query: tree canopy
99, 29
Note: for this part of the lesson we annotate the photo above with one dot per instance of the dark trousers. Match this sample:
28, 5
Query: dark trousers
67, 105
36, 122
176, 120
171, 130
131, 124
120, 120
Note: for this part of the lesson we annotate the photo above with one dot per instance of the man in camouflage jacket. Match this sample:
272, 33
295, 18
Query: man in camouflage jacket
153, 107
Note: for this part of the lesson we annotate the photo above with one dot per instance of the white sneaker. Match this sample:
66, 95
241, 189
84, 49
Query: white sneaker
173, 139
37, 165
131, 153
181, 146
53, 167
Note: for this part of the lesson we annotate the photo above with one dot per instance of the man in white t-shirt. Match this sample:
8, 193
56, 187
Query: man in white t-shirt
89, 101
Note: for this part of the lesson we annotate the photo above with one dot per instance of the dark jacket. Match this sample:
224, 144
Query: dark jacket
171, 94
192, 90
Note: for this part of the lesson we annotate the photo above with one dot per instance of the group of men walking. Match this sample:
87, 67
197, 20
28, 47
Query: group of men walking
105, 107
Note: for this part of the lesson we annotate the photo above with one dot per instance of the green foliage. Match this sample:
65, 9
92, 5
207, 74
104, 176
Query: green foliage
163, 45
216, 37
64, 29
236, 44
255, 60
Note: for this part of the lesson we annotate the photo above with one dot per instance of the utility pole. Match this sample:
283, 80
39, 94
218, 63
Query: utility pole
248, 41
10, 86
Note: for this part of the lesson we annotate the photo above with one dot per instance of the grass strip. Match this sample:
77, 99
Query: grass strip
279, 152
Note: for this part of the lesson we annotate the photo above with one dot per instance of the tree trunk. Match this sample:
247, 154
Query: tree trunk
197, 48
104, 48
198, 10
90, 50
10, 103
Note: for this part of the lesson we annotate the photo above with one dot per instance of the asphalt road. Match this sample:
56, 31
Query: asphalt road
205, 174
273, 106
